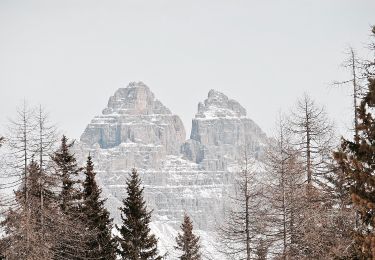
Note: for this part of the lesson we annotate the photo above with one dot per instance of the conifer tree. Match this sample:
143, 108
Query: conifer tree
187, 242
67, 171
102, 246
356, 159
136, 241
73, 235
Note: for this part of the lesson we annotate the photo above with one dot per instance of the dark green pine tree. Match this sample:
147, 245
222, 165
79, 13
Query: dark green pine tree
73, 235
97, 218
187, 242
356, 159
136, 241
67, 172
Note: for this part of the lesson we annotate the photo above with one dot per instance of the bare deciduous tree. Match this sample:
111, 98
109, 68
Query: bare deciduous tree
27, 237
318, 230
45, 137
354, 64
30, 217
20, 140
284, 191
313, 137
243, 225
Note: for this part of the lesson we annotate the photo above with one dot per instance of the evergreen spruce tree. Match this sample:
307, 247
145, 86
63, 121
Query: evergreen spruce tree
356, 159
67, 172
73, 235
97, 218
136, 241
187, 242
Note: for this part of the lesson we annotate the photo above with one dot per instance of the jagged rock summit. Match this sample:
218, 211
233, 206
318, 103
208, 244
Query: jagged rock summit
193, 176
139, 124
218, 105
135, 99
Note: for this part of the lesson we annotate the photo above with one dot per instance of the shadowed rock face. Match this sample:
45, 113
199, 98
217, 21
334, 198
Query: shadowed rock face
193, 176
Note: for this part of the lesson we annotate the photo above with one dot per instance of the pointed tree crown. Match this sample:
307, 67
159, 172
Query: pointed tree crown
187, 242
136, 240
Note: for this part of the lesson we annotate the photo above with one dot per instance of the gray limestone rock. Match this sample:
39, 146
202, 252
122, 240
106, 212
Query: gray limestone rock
134, 117
221, 133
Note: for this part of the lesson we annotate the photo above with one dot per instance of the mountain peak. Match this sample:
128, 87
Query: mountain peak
218, 105
134, 117
135, 99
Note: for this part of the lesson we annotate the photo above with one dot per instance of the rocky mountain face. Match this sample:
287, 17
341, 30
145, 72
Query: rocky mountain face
193, 176
221, 133
137, 127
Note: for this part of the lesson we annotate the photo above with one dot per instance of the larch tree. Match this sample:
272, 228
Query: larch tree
345, 218
187, 242
26, 234
135, 240
45, 138
354, 64
244, 221
284, 191
20, 140
313, 137
356, 159
102, 246
38, 207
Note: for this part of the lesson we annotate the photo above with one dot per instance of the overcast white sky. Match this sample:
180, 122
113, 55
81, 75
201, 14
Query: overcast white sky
71, 55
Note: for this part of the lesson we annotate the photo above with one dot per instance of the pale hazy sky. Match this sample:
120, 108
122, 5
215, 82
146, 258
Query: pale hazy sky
71, 55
